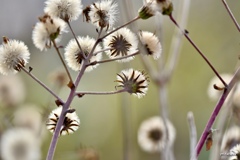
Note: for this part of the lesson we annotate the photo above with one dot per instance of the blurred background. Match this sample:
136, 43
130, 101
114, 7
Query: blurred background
101, 117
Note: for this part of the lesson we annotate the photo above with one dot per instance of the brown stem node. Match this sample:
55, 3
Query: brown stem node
58, 103
30, 69
71, 85
71, 110
80, 95
218, 88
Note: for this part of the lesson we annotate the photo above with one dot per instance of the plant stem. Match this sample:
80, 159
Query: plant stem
231, 15
133, 20
75, 37
64, 110
100, 93
42, 84
64, 64
216, 111
199, 51
115, 59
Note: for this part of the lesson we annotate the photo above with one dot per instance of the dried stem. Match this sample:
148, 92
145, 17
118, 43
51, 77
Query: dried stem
231, 14
193, 135
42, 84
64, 64
216, 111
75, 37
114, 59
133, 20
199, 51
64, 110
99, 93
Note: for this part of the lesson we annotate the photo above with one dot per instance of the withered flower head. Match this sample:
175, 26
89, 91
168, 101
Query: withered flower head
70, 124
152, 135
121, 43
133, 81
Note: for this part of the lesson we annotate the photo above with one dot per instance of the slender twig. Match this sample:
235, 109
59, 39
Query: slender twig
133, 20
64, 64
177, 40
231, 15
106, 49
199, 51
42, 84
75, 37
193, 135
216, 111
64, 110
99, 93
114, 59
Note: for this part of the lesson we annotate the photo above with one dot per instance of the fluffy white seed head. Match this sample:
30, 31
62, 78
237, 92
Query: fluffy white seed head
151, 43
120, 44
133, 81
29, 116
152, 136
20, 144
163, 6
231, 137
12, 91
70, 124
74, 57
235, 153
103, 13
46, 30
67, 10
14, 55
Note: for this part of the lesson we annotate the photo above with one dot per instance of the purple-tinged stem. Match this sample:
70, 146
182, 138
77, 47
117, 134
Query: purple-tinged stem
42, 84
199, 51
54, 141
216, 111
231, 15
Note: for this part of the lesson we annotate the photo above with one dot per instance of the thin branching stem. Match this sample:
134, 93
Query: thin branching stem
75, 37
42, 84
61, 58
231, 14
216, 111
133, 20
99, 93
106, 49
66, 106
115, 59
198, 50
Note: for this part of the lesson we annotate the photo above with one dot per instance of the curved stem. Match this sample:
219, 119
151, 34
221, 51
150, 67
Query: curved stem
216, 111
199, 51
231, 15
64, 64
42, 84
